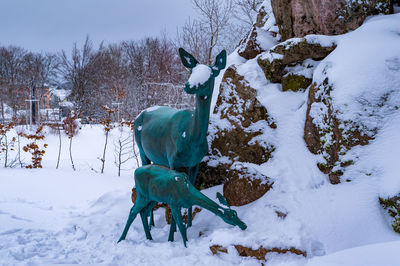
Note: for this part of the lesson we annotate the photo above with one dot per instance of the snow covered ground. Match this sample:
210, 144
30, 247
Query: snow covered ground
61, 216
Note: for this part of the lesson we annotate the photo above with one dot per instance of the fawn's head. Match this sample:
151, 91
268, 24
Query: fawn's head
201, 80
230, 217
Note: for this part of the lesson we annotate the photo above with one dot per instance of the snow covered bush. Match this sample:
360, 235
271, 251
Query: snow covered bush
105, 121
6, 144
71, 127
124, 145
37, 150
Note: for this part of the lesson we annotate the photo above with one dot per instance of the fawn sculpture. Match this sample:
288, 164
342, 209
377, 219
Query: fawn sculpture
155, 183
177, 138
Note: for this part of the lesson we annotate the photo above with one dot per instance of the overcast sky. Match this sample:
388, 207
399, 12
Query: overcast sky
52, 25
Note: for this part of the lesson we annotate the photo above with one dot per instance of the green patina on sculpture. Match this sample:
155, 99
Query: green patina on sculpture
177, 138
155, 183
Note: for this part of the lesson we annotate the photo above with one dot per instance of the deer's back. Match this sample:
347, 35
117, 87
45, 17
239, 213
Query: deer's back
159, 132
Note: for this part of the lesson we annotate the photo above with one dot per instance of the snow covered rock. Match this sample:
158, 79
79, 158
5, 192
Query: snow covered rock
354, 93
245, 185
297, 18
292, 51
236, 134
324, 133
262, 36
261, 252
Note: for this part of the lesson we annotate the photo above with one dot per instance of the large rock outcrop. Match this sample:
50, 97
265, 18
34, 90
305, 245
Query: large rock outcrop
298, 18
279, 63
237, 142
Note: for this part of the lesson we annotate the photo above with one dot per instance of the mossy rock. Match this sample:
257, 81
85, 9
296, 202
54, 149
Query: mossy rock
392, 206
340, 141
295, 83
273, 71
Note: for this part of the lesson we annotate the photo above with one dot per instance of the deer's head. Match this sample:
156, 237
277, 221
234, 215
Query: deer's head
230, 217
201, 80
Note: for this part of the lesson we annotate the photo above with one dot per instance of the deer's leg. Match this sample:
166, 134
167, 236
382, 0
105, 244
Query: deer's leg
143, 215
139, 205
176, 213
192, 178
172, 229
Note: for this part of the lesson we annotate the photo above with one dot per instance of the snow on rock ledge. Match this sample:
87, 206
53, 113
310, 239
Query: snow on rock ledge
292, 51
355, 92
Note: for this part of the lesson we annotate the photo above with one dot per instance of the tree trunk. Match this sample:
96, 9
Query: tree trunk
119, 158
70, 153
2, 112
6, 151
59, 147
19, 150
103, 160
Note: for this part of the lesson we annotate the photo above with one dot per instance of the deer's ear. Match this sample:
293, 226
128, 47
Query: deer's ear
187, 59
220, 60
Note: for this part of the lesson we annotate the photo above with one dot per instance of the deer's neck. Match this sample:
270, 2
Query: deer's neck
201, 116
197, 198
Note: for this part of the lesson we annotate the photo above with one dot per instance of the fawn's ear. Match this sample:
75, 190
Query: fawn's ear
220, 62
187, 59
222, 199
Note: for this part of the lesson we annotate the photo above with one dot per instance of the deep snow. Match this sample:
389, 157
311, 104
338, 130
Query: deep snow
50, 216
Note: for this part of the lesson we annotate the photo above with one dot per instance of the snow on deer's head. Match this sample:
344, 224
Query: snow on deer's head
201, 80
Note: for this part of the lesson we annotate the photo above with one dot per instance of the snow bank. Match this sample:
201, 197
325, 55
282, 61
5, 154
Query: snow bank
370, 255
53, 216
364, 70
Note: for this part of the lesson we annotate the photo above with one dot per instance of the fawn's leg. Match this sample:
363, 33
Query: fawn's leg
149, 212
176, 213
139, 205
143, 215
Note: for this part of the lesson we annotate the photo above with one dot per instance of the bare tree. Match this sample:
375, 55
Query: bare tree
215, 14
155, 72
79, 70
123, 147
39, 70
247, 10
11, 76
71, 129
193, 37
